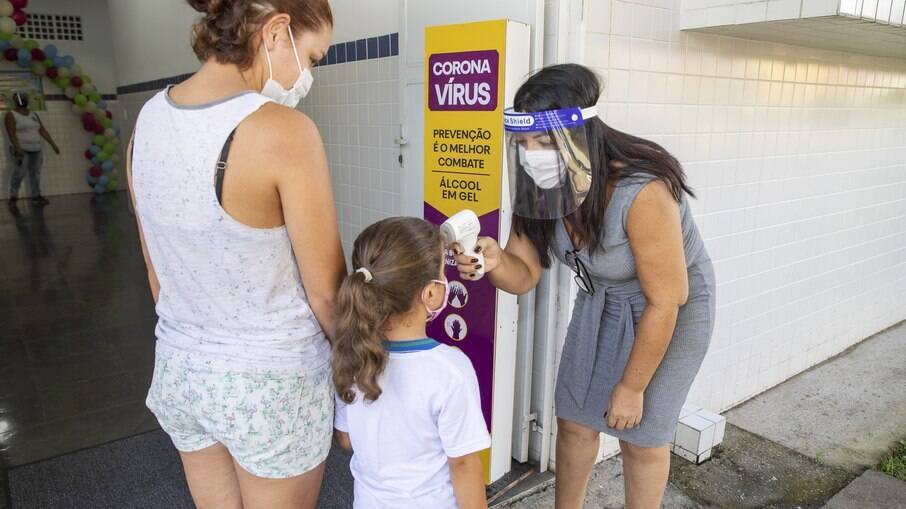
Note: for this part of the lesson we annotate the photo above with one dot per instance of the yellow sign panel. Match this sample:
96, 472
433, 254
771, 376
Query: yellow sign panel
464, 116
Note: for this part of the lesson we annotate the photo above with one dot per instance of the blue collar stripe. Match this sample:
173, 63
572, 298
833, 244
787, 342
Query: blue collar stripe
416, 345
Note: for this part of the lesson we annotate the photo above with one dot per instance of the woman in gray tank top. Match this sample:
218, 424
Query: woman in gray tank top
644, 312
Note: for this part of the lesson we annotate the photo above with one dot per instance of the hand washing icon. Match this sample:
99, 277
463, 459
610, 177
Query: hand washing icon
459, 296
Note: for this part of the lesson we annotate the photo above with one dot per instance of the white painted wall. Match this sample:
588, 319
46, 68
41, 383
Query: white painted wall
151, 39
357, 19
95, 52
799, 159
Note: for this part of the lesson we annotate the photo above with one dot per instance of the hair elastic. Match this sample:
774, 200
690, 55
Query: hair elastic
368, 276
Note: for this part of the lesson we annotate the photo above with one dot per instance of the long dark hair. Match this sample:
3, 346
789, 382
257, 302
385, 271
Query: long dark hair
402, 255
573, 85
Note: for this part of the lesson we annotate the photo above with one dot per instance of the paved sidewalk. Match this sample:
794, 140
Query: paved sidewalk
847, 412
805, 444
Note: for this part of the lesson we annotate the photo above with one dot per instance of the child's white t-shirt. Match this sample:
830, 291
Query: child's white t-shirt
429, 410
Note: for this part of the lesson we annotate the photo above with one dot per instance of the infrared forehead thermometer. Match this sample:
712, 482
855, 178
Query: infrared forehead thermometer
462, 228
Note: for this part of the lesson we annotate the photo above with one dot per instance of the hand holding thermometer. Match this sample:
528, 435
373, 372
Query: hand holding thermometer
462, 228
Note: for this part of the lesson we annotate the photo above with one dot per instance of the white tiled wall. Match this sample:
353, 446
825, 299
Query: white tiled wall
356, 107
798, 156
64, 173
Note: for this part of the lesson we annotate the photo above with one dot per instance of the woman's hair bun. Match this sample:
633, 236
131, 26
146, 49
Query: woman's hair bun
205, 6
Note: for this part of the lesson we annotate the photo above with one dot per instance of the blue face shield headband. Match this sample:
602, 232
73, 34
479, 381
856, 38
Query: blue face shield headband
548, 163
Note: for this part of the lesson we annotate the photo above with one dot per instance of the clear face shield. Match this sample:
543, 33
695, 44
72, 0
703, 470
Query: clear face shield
548, 161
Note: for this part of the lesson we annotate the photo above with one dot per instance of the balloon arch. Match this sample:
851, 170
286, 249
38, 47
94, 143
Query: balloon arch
75, 84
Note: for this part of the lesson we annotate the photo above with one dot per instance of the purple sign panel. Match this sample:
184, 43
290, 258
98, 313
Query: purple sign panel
463, 81
469, 321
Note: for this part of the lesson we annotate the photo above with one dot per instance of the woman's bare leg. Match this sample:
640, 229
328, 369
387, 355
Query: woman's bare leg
577, 449
212, 478
299, 492
645, 473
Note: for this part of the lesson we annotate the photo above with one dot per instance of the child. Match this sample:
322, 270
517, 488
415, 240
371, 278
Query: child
407, 406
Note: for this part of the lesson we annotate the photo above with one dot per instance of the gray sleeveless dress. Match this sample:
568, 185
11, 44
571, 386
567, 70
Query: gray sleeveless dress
602, 329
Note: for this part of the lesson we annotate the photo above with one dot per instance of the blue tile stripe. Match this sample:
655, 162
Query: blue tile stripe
157, 84
382, 46
61, 97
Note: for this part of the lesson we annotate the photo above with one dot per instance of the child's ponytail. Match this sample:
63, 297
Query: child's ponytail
393, 260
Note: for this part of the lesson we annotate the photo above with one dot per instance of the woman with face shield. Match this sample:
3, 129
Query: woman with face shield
25, 132
613, 208
238, 227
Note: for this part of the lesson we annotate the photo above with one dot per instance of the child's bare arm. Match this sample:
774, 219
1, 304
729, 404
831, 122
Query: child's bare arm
468, 481
343, 440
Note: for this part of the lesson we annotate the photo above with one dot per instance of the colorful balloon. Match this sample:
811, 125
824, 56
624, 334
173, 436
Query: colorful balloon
50, 50
70, 92
91, 181
90, 107
64, 72
6, 8
18, 4
102, 156
4, 45
19, 18
109, 134
38, 68
99, 140
95, 171
5, 36
75, 80
68, 60
57, 61
31, 44
52, 73
94, 149
80, 99
107, 123
24, 54
99, 189
11, 54
76, 68
103, 180
37, 54
17, 42
94, 97
107, 166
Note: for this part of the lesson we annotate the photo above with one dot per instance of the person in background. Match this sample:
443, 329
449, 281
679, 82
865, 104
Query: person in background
238, 228
25, 130
614, 208
407, 407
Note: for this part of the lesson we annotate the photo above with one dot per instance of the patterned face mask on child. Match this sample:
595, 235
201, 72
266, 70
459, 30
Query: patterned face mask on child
432, 313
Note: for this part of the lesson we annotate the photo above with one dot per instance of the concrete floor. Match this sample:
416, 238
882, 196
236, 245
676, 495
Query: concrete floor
847, 412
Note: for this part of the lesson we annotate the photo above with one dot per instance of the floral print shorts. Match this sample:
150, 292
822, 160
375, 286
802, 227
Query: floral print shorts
274, 425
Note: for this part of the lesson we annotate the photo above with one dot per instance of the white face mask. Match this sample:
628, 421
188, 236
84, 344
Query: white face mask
544, 166
299, 89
